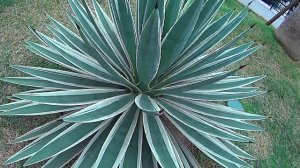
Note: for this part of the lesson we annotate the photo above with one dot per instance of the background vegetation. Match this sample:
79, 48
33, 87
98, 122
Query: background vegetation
277, 147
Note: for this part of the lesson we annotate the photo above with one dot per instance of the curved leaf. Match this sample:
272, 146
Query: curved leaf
65, 140
159, 141
71, 97
118, 140
134, 152
89, 155
39, 109
146, 103
102, 110
178, 36
36, 82
148, 52
65, 77
172, 13
213, 110
65, 157
198, 124
35, 146
13, 105
37, 132
123, 20
206, 143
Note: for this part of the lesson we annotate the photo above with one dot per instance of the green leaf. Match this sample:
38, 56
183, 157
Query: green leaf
217, 96
207, 14
231, 83
65, 77
220, 63
236, 150
90, 153
146, 103
150, 7
178, 36
51, 55
181, 71
213, 40
58, 36
140, 12
70, 37
113, 54
134, 152
84, 62
108, 27
206, 143
36, 82
232, 124
35, 146
65, 157
213, 110
204, 81
196, 52
243, 89
159, 141
39, 109
65, 140
190, 158
69, 53
13, 105
71, 97
93, 33
102, 110
122, 17
221, 161
117, 142
148, 160
161, 4
37, 132
89, 65
181, 159
148, 52
210, 30
172, 13
232, 51
198, 124
91, 47
223, 52
187, 4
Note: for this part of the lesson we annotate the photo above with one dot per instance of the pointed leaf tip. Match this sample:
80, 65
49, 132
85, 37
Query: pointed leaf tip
243, 66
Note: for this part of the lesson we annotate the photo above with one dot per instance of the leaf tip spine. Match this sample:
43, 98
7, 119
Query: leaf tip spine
249, 3
243, 66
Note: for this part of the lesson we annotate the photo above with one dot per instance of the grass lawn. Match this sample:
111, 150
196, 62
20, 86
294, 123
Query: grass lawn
277, 147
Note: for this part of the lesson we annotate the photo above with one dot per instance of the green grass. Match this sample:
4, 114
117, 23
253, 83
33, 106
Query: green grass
277, 147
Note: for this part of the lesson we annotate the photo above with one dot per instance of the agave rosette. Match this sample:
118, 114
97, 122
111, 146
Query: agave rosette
127, 79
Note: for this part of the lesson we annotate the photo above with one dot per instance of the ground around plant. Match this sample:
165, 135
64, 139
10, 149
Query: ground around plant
277, 147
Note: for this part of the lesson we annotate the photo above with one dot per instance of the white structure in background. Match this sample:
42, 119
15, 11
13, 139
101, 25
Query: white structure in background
263, 10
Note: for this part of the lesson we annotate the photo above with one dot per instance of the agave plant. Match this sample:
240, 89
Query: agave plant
127, 81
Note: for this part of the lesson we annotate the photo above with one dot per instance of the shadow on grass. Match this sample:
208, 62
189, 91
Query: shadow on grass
5, 3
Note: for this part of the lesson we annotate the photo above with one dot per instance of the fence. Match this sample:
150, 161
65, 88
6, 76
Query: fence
278, 5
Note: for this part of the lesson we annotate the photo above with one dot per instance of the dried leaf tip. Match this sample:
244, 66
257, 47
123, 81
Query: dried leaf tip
249, 3
156, 5
253, 25
242, 67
